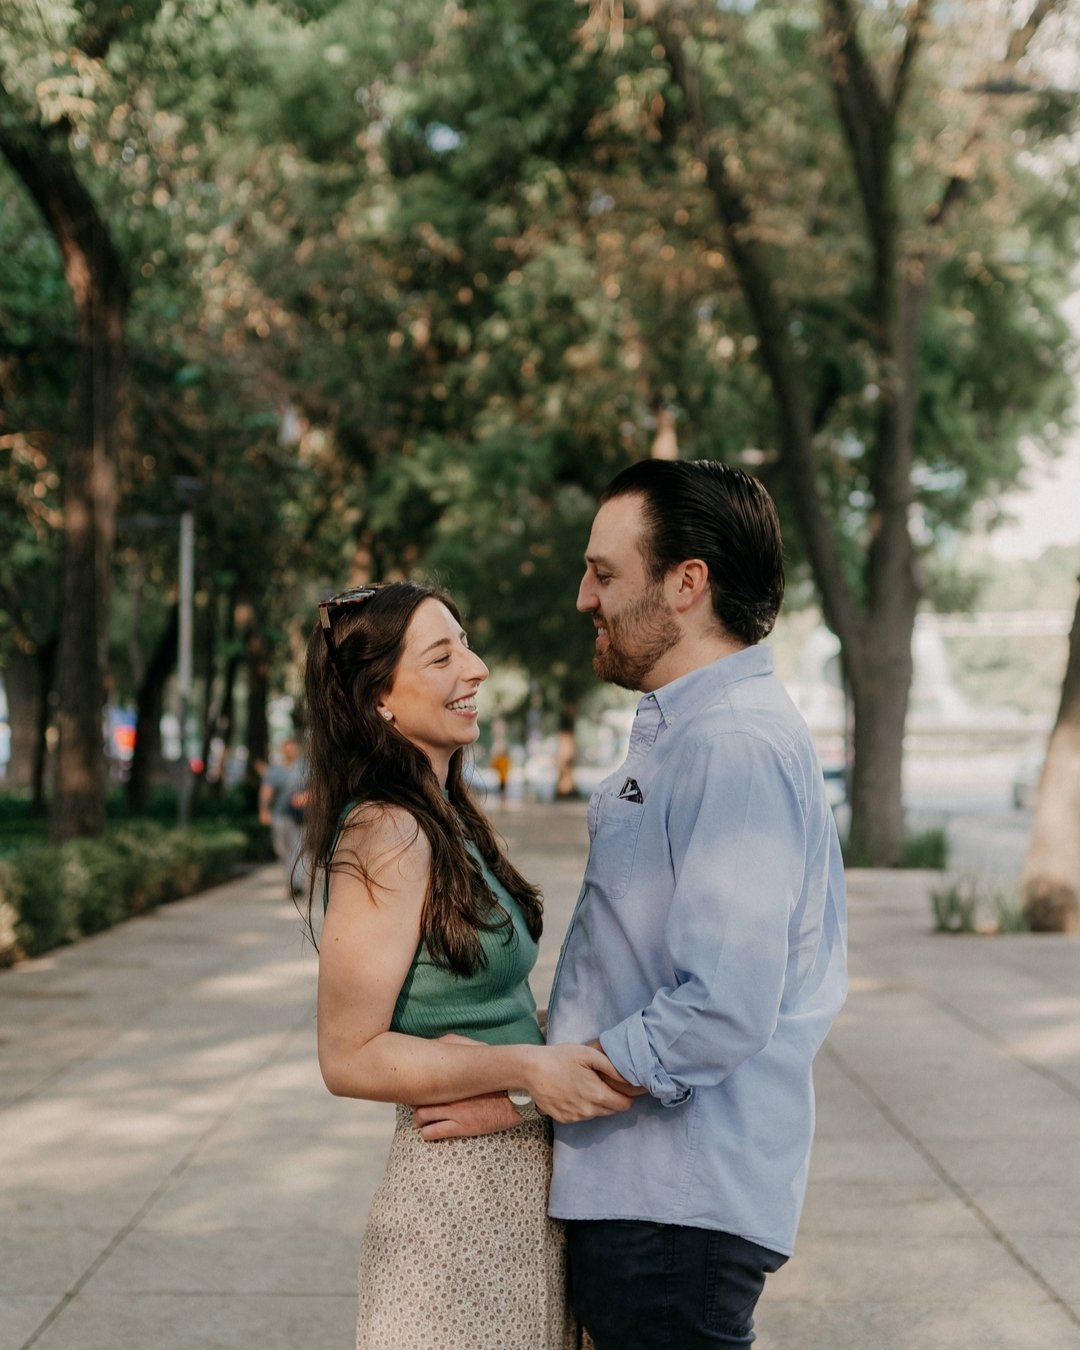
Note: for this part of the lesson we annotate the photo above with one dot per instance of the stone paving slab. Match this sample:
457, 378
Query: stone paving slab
175, 1175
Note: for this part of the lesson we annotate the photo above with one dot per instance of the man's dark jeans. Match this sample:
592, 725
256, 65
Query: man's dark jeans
655, 1286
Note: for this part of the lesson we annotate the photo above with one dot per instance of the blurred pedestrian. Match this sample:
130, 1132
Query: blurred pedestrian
281, 807
500, 763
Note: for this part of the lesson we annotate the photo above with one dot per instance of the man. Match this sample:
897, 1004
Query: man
706, 955
281, 806
707, 950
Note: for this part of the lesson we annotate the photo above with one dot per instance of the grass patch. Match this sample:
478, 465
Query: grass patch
958, 907
955, 906
921, 849
926, 849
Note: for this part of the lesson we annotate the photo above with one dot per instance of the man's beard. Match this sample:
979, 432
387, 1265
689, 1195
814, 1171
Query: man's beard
637, 637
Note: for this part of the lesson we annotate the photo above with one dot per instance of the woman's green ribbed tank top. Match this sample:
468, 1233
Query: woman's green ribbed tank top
494, 1004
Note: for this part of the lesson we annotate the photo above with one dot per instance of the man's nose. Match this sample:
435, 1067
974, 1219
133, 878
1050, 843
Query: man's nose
586, 597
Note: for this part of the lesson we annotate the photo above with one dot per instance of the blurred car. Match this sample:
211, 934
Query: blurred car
1025, 783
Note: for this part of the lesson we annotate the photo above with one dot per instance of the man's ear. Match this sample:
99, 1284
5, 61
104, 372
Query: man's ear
689, 583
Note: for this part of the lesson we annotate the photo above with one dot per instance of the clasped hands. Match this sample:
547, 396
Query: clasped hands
567, 1082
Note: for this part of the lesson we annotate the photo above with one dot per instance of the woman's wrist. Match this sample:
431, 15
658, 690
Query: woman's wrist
522, 1069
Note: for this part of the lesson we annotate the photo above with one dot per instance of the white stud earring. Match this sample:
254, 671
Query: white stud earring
386, 714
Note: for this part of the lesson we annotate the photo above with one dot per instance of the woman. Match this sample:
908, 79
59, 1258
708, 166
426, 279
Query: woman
427, 941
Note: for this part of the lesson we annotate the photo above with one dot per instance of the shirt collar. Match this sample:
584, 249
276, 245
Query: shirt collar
685, 695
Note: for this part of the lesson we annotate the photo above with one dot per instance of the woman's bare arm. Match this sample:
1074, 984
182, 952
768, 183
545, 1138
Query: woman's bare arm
369, 939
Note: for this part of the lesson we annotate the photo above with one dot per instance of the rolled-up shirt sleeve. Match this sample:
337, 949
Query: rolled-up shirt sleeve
737, 833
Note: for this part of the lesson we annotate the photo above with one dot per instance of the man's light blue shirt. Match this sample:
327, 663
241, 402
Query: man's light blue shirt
708, 953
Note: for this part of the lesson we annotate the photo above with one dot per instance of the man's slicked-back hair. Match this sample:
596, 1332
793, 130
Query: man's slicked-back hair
704, 509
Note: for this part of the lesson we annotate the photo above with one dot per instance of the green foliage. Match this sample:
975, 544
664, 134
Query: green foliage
1009, 916
955, 906
47, 911
958, 904
925, 849
88, 885
474, 249
35, 368
920, 849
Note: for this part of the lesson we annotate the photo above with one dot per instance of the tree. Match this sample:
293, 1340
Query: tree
845, 355
36, 142
525, 274
1050, 884
486, 258
108, 123
35, 377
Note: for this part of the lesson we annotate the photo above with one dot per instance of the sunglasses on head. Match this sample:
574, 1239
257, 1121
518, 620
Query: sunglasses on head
356, 595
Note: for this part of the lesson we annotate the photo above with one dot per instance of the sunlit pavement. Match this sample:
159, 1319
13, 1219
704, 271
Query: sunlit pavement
175, 1175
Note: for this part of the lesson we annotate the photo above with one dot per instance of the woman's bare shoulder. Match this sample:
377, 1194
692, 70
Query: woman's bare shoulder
375, 834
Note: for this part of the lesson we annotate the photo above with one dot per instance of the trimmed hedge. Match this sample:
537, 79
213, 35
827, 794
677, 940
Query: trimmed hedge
50, 896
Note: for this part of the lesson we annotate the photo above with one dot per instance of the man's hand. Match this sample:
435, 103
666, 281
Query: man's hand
612, 1076
489, 1114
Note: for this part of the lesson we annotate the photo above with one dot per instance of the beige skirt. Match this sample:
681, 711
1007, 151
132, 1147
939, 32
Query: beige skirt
459, 1253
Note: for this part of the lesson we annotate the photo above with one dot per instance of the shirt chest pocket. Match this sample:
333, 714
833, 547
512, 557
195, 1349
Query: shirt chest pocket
617, 825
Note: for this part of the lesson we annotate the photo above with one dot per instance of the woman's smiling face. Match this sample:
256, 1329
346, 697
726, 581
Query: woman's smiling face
433, 694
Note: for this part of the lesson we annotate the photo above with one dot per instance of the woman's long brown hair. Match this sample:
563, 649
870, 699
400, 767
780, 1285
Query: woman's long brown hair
357, 758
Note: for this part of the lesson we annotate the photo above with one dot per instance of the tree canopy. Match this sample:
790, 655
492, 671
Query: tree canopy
407, 287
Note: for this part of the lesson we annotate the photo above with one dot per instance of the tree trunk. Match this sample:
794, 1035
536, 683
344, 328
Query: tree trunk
47, 662
1050, 884
258, 726
78, 805
209, 637
149, 705
222, 727
875, 635
566, 751
26, 698
41, 158
569, 694
880, 682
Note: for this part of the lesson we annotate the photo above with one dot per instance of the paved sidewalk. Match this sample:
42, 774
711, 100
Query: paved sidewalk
174, 1174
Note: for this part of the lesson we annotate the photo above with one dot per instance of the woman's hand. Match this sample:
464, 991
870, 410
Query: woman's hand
568, 1083
614, 1078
